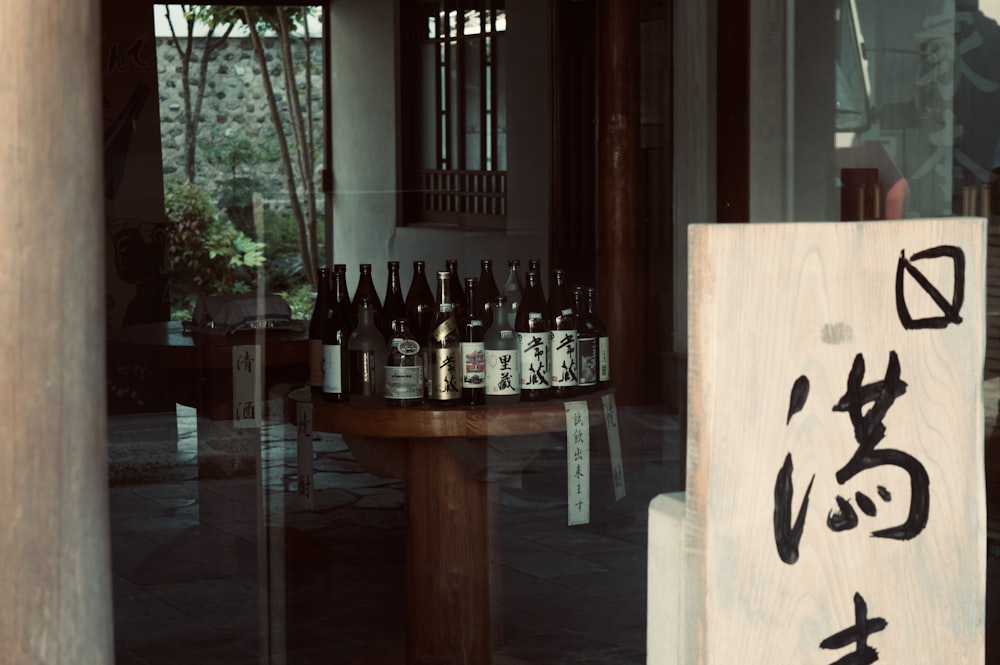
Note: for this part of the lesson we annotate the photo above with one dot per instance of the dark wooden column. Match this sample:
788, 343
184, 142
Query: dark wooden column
620, 265
54, 539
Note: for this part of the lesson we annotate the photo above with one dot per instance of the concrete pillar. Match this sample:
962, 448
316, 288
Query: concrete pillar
55, 566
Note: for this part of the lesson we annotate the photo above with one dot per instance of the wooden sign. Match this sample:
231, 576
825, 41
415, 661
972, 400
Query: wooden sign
835, 496
248, 407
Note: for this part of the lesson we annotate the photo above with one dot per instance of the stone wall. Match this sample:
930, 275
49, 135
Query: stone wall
235, 107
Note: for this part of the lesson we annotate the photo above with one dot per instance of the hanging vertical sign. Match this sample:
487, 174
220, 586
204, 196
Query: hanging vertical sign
614, 445
304, 445
578, 462
247, 404
835, 495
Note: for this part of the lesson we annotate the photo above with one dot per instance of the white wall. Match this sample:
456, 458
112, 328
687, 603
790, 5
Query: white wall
365, 138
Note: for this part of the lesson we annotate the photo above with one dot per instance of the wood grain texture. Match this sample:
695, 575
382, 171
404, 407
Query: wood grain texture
771, 303
55, 565
430, 422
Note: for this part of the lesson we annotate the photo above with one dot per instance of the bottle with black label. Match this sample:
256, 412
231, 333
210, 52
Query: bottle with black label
562, 328
503, 358
586, 343
404, 367
443, 349
473, 351
317, 323
532, 327
365, 357
394, 307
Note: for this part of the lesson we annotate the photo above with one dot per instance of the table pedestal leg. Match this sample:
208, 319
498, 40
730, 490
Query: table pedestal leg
448, 553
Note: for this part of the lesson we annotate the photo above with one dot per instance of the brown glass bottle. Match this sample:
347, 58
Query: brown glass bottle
536, 265
366, 289
473, 352
394, 307
457, 292
317, 323
603, 341
532, 327
420, 303
340, 294
586, 343
443, 349
335, 337
487, 291
562, 328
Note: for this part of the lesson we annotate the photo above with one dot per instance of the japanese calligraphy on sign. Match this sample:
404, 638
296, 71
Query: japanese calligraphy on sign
304, 453
247, 404
578, 462
835, 496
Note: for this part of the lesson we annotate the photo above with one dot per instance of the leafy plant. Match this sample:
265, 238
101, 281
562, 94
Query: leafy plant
206, 254
239, 158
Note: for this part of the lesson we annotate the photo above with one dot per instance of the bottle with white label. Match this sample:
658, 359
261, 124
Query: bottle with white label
603, 341
404, 367
472, 349
443, 349
336, 332
562, 328
365, 350
532, 327
503, 358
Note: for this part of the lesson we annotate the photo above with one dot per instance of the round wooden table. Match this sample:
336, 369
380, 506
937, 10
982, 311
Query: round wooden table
452, 592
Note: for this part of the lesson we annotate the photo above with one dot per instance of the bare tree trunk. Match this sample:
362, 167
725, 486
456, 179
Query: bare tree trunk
303, 138
192, 117
308, 261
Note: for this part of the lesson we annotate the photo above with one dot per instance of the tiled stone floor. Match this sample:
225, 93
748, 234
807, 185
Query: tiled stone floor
199, 579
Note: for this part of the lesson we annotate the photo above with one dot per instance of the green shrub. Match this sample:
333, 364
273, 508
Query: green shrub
206, 254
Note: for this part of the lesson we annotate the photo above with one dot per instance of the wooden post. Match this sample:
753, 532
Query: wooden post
619, 250
54, 544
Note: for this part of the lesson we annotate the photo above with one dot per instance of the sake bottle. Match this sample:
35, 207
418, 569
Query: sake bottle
366, 289
503, 358
340, 293
443, 347
473, 352
335, 337
512, 289
419, 303
586, 343
603, 341
562, 331
365, 350
317, 323
404, 367
532, 329
394, 307
487, 290
457, 292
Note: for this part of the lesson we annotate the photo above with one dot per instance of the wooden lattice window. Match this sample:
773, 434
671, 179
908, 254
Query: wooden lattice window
456, 120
